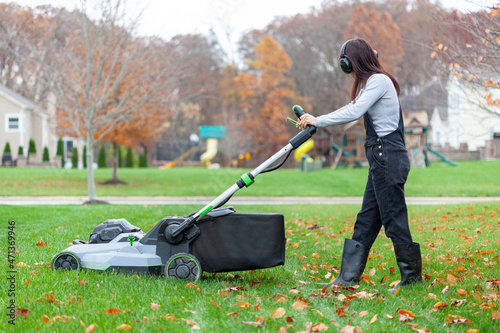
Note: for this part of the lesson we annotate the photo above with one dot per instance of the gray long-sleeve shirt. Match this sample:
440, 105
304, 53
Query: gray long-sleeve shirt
378, 97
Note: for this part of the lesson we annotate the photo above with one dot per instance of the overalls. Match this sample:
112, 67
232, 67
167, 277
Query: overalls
384, 198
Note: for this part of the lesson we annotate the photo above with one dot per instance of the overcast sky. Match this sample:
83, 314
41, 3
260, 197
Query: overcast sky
167, 18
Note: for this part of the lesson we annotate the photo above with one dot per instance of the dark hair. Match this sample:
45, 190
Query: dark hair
365, 63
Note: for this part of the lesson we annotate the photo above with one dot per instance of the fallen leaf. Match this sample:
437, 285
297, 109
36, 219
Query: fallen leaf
215, 303
45, 319
437, 306
319, 327
191, 324
170, 317
363, 313
445, 290
91, 328
341, 312
252, 323
407, 312
495, 315
125, 327
278, 313
454, 319
23, 312
300, 305
243, 305
351, 329
41, 243
282, 330
27, 282
374, 319
155, 306
112, 311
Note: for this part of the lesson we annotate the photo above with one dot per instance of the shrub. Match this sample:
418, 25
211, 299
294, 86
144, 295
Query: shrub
46, 157
101, 161
32, 147
20, 151
129, 158
6, 150
74, 157
60, 147
143, 161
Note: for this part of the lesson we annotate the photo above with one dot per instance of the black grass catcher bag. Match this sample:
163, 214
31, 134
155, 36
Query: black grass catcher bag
234, 241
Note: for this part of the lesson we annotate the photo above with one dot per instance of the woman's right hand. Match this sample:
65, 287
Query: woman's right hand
306, 119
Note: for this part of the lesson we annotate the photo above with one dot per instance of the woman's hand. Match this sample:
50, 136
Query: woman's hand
307, 119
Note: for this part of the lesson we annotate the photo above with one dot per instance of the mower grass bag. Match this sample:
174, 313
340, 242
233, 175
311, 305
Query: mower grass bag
240, 241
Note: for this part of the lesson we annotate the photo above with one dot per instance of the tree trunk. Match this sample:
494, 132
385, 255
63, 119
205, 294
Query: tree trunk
115, 162
90, 169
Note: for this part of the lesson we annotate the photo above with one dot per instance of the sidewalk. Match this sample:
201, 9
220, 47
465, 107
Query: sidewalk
236, 200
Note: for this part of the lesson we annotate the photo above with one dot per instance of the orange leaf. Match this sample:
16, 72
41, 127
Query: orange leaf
433, 54
316, 255
243, 305
438, 305
41, 243
112, 311
191, 324
27, 282
278, 313
495, 315
300, 305
319, 327
125, 327
374, 319
170, 317
155, 306
407, 312
215, 303
462, 292
341, 312
45, 319
91, 328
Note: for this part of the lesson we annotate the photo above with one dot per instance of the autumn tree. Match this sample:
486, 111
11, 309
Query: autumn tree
380, 31
266, 94
103, 77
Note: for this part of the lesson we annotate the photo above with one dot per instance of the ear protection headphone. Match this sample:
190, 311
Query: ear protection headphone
344, 62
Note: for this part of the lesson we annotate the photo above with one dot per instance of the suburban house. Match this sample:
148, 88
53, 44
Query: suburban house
22, 120
468, 122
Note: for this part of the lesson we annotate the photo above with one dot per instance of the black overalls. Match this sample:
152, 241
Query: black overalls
384, 198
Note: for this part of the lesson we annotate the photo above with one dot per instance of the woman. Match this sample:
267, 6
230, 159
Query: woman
374, 95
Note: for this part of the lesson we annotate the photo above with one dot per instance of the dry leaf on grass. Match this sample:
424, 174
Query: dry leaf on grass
278, 313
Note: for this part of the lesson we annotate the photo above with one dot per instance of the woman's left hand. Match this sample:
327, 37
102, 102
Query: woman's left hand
307, 119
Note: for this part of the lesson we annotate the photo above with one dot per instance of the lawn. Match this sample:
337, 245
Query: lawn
470, 178
461, 268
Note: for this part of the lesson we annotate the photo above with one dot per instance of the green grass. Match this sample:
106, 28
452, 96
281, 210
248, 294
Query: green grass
460, 250
470, 178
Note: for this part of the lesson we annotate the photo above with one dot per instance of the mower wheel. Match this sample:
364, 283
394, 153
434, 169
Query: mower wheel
183, 266
66, 260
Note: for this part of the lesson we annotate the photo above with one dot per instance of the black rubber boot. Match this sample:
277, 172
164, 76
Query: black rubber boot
410, 264
354, 259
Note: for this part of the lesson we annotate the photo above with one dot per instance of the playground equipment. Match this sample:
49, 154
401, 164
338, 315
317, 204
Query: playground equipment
430, 150
211, 134
348, 154
179, 159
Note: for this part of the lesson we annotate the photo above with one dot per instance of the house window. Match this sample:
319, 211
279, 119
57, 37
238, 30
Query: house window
13, 123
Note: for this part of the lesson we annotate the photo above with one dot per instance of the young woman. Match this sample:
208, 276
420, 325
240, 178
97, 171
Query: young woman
374, 96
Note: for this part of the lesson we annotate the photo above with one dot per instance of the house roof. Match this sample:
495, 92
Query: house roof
416, 119
21, 100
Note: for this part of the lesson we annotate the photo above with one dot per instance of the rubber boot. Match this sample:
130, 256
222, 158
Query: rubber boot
354, 259
410, 264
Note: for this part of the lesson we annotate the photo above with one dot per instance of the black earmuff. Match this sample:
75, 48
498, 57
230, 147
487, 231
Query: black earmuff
345, 65
344, 62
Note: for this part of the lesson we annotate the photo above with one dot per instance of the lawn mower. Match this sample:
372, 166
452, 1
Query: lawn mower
213, 239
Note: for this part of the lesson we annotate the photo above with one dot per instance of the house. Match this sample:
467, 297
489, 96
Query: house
22, 120
468, 121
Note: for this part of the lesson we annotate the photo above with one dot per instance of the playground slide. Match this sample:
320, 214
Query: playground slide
207, 156
304, 148
440, 156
